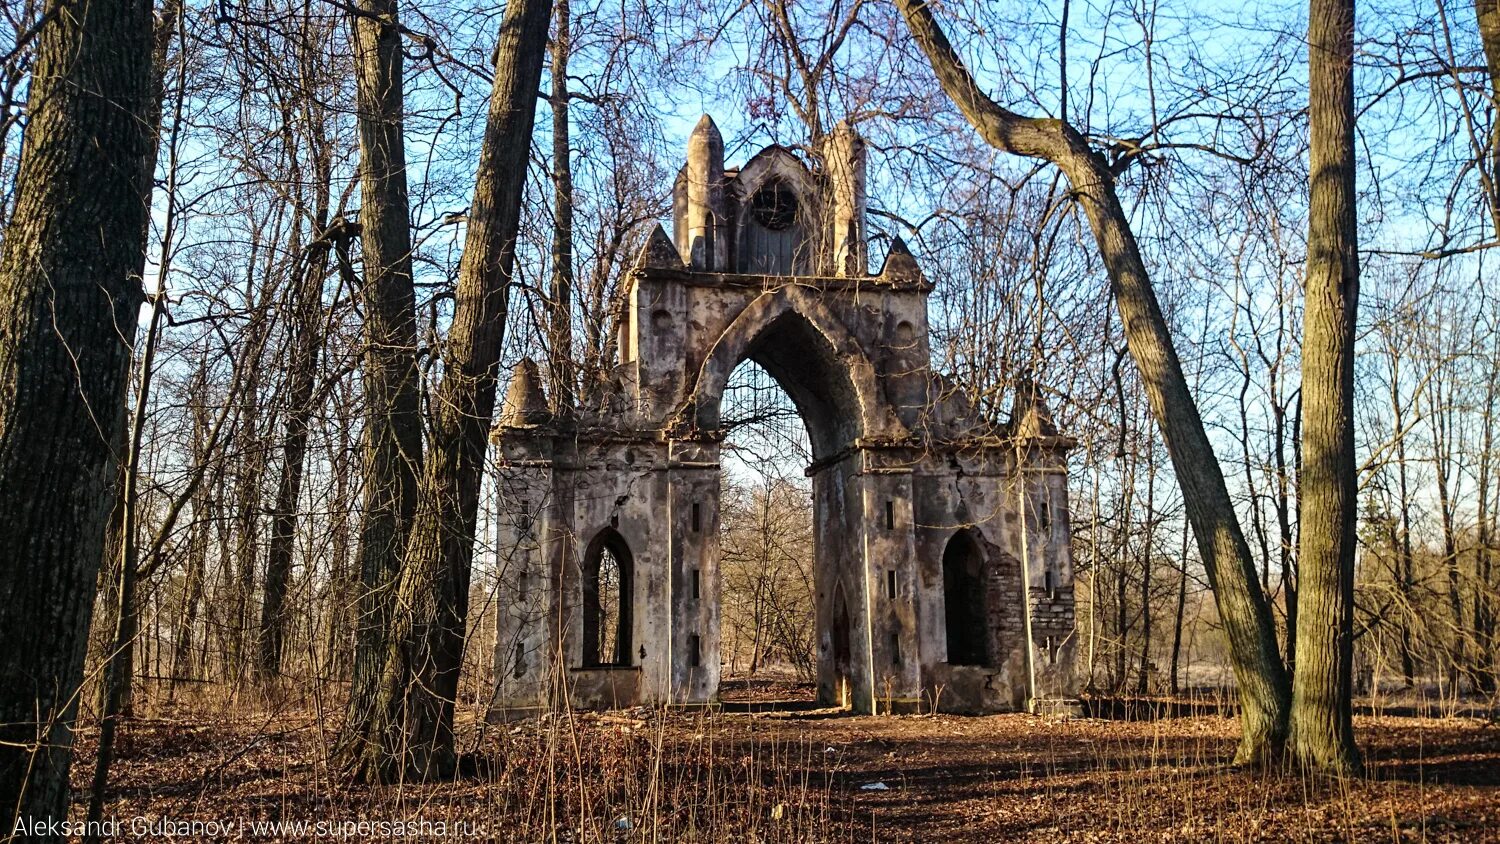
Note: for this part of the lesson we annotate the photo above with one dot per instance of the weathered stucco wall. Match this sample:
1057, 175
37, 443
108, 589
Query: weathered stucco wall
902, 466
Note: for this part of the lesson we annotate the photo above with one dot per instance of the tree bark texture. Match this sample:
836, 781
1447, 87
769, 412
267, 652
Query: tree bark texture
1322, 729
412, 723
70, 291
392, 447
1246, 615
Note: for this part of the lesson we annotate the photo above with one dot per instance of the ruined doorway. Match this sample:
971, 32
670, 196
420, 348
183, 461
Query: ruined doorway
896, 459
791, 416
964, 601
767, 609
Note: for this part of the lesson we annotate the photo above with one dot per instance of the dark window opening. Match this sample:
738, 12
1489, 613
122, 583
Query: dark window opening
842, 646
1051, 580
890, 584
523, 584
895, 648
696, 520
963, 602
608, 593
890, 515
774, 206
696, 592
694, 650
520, 660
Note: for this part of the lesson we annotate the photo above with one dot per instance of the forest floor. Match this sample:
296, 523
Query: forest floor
799, 776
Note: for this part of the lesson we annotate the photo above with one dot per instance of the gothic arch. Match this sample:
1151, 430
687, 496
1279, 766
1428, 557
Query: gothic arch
964, 600
829, 378
607, 631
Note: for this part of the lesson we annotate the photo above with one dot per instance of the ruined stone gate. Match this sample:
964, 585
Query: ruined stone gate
943, 570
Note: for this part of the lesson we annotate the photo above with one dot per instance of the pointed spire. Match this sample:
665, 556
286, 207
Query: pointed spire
525, 403
702, 240
900, 265
708, 130
659, 251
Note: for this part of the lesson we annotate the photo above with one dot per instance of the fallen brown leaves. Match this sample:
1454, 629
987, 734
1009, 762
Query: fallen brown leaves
645, 775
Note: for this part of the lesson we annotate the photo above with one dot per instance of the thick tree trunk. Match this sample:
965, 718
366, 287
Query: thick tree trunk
1483, 599
393, 423
70, 292
411, 728
1322, 730
1264, 691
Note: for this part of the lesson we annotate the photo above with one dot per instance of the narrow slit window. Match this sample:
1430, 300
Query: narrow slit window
890, 584
697, 593
523, 584
890, 515
694, 650
895, 648
697, 520
520, 670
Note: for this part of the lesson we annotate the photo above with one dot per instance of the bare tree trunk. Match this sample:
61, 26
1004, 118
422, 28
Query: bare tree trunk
1488, 14
393, 423
1484, 617
561, 352
1441, 412
1263, 687
1182, 581
1143, 682
68, 308
307, 319
1322, 728
411, 727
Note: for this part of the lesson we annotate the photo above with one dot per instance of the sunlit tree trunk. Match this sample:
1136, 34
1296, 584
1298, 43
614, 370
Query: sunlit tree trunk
561, 317
412, 721
1322, 730
393, 425
1261, 676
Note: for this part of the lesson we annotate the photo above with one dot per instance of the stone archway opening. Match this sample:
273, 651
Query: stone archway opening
788, 408
766, 599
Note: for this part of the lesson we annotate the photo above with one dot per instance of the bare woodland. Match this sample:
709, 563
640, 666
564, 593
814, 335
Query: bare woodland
265, 265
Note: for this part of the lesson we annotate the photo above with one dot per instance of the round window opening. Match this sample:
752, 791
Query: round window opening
774, 206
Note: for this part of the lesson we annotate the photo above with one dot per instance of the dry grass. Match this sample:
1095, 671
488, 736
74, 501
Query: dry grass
652, 776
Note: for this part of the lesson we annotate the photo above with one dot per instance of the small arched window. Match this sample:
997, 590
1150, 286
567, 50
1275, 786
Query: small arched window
964, 601
608, 598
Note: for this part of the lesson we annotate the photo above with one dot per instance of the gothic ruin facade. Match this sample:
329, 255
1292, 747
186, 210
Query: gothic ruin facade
943, 570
